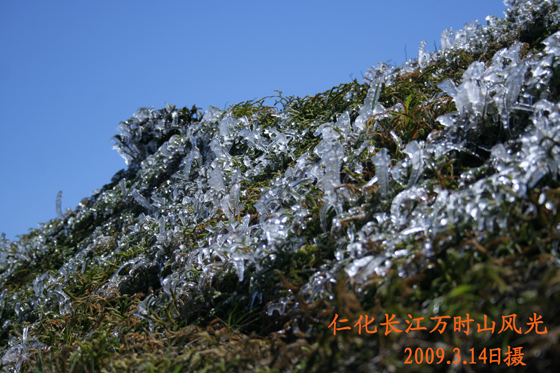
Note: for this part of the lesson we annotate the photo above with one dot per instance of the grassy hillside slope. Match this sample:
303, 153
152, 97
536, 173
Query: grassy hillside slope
336, 232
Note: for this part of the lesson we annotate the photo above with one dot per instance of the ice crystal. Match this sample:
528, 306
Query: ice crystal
416, 153
59, 205
382, 161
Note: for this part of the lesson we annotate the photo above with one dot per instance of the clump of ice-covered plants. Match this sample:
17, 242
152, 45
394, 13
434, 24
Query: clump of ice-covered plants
235, 236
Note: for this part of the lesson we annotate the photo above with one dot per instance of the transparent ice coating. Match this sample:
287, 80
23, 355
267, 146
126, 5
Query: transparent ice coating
423, 55
59, 205
142, 201
446, 40
382, 161
552, 44
18, 352
122, 184
489, 90
193, 176
414, 150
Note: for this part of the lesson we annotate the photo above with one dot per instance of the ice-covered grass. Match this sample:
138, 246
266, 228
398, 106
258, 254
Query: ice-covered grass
234, 236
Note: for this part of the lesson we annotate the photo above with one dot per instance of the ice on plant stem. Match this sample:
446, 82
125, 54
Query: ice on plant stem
225, 124
142, 201
122, 184
447, 38
448, 87
344, 123
239, 264
219, 150
416, 154
331, 164
552, 44
216, 180
59, 204
375, 77
382, 161
472, 93
405, 203
187, 162
354, 267
423, 56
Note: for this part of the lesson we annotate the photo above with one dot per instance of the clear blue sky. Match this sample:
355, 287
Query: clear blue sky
70, 71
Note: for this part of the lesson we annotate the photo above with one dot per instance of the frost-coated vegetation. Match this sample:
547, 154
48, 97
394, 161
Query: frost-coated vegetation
234, 238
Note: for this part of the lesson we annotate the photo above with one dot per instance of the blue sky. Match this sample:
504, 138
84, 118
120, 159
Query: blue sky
70, 71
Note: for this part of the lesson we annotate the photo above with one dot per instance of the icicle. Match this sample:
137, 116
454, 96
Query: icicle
353, 268
169, 107
553, 44
122, 183
58, 205
449, 87
188, 160
382, 161
323, 214
216, 180
423, 56
218, 150
405, 202
471, 95
239, 264
447, 120
446, 39
143, 201
415, 152
225, 124
343, 123
331, 162
396, 139
64, 303
254, 296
